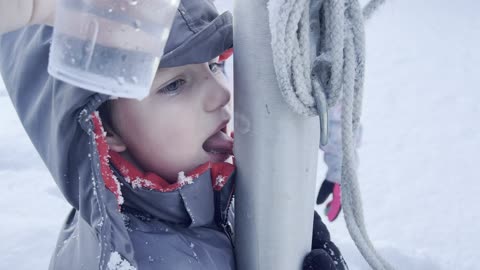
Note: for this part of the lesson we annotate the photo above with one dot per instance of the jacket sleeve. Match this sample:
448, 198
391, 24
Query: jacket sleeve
48, 109
333, 150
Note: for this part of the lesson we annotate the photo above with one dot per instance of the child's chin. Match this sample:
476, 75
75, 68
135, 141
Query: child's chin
218, 157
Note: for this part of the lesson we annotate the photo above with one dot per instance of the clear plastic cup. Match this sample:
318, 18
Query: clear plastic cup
110, 46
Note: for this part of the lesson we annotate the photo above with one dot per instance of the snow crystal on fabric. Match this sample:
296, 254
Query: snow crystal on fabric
120, 199
124, 170
220, 180
140, 183
111, 182
184, 180
116, 262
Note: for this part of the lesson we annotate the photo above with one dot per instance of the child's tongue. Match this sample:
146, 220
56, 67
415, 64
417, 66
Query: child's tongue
219, 143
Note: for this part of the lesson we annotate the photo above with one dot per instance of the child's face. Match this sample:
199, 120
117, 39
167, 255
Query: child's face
179, 126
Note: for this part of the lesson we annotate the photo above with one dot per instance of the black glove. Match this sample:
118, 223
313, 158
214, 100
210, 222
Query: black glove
324, 255
318, 259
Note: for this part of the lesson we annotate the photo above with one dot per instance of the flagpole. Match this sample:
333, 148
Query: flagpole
276, 154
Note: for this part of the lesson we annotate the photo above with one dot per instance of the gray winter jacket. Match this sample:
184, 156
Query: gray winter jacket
113, 224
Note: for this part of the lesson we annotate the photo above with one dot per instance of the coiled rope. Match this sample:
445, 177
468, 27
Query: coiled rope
319, 58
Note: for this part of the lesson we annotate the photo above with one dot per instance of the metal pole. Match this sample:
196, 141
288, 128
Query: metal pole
276, 154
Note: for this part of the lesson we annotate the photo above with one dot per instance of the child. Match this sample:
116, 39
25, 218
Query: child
147, 180
333, 159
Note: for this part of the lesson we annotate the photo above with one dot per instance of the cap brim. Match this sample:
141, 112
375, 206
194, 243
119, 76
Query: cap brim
205, 45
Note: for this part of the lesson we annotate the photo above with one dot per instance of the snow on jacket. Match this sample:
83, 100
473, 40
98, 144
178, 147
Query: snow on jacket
120, 218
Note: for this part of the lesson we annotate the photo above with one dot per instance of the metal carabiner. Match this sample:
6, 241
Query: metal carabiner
322, 109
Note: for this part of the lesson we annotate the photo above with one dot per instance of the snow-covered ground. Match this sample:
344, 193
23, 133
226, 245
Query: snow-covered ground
32, 208
419, 160
419, 176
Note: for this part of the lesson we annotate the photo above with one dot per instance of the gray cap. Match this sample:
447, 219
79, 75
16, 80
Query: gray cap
198, 34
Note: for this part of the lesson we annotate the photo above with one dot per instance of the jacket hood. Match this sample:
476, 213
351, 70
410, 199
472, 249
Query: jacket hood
198, 34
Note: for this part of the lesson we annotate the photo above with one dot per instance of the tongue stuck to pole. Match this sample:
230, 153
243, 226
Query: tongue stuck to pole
219, 143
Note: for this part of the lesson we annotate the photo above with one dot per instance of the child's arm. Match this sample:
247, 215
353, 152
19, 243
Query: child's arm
48, 109
333, 149
15, 14
333, 159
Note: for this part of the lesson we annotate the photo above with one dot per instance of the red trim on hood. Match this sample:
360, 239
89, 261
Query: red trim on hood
225, 55
109, 179
152, 181
220, 172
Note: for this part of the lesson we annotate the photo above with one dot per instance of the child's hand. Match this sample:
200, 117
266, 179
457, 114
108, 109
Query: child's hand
318, 259
324, 255
44, 12
333, 208
15, 14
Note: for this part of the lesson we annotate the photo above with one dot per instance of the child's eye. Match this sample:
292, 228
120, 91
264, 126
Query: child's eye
216, 67
172, 88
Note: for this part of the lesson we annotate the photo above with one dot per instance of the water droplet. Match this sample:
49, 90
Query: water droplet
67, 44
243, 123
121, 80
72, 60
134, 79
137, 24
88, 48
133, 2
110, 10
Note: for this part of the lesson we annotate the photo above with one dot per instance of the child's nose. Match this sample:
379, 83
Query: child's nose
218, 95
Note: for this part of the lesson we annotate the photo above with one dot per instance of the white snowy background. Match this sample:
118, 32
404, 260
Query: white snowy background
419, 159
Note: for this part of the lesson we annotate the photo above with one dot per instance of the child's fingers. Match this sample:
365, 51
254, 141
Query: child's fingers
335, 206
43, 12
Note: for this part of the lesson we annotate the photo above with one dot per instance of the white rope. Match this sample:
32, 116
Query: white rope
370, 8
337, 70
293, 61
